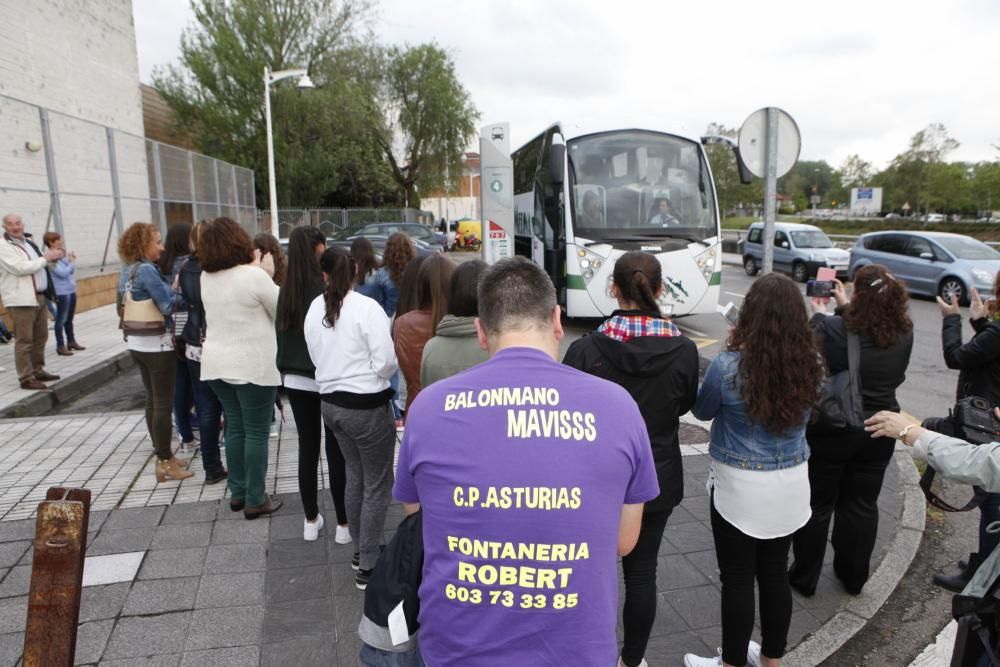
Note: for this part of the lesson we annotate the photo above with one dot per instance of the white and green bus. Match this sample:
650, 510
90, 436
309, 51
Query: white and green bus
581, 202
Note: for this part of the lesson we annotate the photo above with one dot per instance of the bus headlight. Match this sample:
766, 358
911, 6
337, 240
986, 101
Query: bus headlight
706, 262
589, 264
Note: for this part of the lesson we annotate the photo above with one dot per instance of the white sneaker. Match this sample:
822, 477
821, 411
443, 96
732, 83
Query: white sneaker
641, 664
342, 536
753, 654
692, 660
310, 531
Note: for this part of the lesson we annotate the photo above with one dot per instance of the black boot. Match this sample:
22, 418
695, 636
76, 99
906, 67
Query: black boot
956, 582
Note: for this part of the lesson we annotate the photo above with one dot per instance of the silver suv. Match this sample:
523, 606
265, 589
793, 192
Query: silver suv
799, 250
931, 263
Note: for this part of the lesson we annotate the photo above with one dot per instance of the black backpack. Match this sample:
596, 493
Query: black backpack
977, 611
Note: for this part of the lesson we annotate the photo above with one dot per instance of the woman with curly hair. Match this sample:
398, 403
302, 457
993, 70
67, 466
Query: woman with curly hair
398, 253
140, 247
759, 392
847, 466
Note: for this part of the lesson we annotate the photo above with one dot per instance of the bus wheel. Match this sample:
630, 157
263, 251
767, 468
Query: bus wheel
800, 273
750, 265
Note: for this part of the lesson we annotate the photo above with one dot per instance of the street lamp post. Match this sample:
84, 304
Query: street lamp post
273, 77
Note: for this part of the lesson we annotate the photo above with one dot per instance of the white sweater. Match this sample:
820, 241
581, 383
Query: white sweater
356, 355
240, 342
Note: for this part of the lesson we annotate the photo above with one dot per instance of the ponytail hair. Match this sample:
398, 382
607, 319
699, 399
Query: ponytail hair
639, 277
339, 269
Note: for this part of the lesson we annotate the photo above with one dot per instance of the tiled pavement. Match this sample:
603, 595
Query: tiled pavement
96, 329
215, 589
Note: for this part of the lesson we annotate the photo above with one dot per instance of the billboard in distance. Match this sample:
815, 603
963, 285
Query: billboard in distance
866, 201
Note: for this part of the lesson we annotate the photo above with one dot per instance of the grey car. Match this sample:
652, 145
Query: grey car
799, 250
930, 263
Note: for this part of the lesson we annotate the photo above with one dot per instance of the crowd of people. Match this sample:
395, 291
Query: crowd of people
524, 476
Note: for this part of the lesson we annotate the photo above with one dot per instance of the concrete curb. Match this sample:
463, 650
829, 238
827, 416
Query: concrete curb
833, 634
67, 389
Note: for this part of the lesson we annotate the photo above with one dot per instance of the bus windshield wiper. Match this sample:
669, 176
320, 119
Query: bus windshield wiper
644, 237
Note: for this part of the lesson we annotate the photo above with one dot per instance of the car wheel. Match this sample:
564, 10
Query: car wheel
952, 289
800, 273
750, 266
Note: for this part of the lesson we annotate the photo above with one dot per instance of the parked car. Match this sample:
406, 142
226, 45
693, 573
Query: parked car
934, 217
799, 250
414, 230
930, 263
378, 242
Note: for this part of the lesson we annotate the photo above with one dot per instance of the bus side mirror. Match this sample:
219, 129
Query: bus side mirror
557, 163
745, 176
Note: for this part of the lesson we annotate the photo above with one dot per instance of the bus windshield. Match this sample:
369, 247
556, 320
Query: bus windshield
636, 185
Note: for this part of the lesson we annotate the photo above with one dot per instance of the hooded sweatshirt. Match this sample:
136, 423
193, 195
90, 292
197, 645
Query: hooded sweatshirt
453, 348
658, 366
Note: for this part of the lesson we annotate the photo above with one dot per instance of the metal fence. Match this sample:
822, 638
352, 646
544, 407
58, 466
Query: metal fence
336, 221
89, 181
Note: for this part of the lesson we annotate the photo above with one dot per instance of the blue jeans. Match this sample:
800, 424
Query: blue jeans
65, 309
248, 409
209, 412
374, 657
183, 398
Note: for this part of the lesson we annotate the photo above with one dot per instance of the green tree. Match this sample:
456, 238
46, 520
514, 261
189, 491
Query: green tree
323, 153
855, 172
985, 187
427, 117
915, 168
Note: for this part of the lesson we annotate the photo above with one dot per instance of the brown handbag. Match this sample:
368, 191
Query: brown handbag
141, 317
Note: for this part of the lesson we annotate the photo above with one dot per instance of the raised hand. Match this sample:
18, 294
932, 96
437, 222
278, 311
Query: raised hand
977, 309
949, 307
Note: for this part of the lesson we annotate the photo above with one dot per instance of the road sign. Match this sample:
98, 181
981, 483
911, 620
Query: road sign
906, 206
815, 199
753, 142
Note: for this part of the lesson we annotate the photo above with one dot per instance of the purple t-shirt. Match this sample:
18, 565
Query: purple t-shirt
521, 466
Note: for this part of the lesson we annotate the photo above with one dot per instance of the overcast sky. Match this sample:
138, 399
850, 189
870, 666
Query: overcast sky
858, 76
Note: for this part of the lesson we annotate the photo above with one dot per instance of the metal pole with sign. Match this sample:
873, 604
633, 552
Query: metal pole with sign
496, 186
769, 143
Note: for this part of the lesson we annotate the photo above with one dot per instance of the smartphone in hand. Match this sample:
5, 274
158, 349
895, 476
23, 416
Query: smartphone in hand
730, 313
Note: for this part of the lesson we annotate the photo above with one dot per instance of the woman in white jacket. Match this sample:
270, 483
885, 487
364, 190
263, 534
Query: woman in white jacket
349, 342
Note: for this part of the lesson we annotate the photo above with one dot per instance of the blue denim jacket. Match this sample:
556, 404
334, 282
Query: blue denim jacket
149, 283
386, 292
736, 441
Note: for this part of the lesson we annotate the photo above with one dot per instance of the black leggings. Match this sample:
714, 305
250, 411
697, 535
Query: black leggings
741, 560
846, 469
308, 422
639, 568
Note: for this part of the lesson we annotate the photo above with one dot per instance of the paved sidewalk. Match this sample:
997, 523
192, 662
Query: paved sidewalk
207, 587
97, 330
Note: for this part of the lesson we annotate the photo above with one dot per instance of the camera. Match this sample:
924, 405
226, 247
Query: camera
819, 288
975, 421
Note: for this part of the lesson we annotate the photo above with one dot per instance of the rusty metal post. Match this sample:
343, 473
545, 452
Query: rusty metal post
56, 578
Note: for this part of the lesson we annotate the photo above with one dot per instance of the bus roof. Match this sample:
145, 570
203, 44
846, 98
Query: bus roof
579, 131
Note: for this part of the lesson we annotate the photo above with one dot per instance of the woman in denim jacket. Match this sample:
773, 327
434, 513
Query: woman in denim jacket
759, 393
139, 248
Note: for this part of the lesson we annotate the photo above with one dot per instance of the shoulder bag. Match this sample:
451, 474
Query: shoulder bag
840, 404
141, 317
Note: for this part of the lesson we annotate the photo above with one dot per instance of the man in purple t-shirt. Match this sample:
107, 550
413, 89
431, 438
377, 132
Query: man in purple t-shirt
532, 477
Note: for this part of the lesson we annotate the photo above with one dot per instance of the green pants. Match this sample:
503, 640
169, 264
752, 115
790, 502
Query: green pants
248, 409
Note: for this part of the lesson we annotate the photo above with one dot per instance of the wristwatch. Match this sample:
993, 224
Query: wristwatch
902, 434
